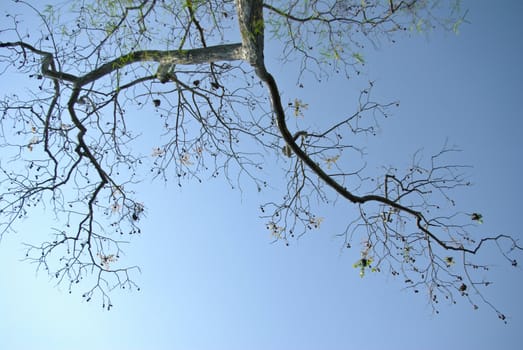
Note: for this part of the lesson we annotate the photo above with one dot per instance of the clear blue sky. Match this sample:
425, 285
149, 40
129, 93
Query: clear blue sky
212, 280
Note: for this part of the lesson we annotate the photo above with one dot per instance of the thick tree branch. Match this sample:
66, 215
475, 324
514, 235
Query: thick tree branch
228, 52
250, 12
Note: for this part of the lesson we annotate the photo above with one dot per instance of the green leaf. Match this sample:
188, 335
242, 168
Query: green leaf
358, 57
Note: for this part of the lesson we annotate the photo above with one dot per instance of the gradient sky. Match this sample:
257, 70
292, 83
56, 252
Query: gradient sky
212, 280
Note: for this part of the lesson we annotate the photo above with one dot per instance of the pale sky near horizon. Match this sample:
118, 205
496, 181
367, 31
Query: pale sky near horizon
211, 279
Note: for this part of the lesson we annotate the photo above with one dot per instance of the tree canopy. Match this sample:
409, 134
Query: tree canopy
70, 146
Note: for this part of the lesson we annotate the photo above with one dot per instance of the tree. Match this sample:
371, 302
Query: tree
70, 146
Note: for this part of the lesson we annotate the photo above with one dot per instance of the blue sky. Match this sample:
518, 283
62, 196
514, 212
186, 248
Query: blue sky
211, 279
